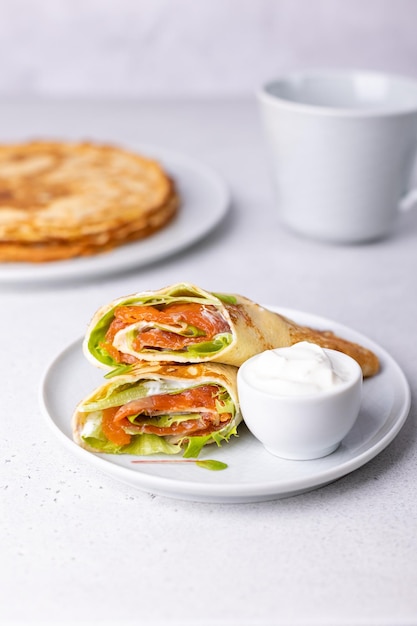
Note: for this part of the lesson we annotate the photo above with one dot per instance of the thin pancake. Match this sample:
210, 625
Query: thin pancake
59, 249
60, 199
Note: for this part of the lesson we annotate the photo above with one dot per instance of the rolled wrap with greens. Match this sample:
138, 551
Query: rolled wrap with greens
160, 408
186, 324
182, 324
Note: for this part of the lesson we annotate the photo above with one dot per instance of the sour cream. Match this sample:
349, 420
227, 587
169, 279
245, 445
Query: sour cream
300, 402
301, 369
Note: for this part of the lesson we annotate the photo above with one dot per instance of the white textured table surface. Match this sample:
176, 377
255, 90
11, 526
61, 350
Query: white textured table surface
80, 547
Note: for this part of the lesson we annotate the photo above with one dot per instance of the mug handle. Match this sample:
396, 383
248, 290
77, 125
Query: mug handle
409, 201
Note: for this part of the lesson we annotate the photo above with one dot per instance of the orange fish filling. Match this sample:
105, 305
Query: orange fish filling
206, 318
113, 430
194, 400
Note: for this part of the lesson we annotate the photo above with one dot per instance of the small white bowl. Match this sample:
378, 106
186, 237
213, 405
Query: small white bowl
306, 426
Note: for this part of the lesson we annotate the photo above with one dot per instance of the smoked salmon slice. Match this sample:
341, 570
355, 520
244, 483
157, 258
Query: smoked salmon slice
200, 400
169, 327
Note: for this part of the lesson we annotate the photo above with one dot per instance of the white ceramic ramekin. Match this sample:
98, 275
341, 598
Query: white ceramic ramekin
306, 426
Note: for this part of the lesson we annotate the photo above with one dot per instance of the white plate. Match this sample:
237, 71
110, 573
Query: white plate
205, 200
252, 474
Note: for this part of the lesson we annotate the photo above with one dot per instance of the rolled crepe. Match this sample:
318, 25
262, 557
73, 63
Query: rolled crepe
160, 408
186, 324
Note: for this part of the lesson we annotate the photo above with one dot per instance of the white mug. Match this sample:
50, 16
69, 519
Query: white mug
343, 145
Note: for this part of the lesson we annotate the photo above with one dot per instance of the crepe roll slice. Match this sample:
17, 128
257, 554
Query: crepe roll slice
157, 408
186, 324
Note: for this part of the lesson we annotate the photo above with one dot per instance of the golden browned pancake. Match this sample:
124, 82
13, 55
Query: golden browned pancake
59, 199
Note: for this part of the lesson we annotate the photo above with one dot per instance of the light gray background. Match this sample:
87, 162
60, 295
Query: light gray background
80, 548
172, 48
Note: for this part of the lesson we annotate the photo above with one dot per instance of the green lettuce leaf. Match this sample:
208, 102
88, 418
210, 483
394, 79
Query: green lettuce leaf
196, 444
209, 347
165, 420
119, 371
123, 395
225, 298
98, 336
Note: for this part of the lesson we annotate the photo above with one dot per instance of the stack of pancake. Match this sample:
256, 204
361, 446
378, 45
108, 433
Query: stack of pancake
60, 200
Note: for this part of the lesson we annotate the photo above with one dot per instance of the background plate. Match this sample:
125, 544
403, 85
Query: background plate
253, 474
204, 202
